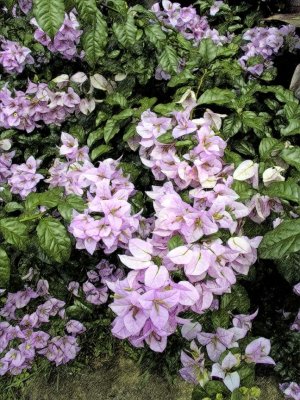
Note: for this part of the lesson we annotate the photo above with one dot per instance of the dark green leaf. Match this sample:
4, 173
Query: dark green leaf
268, 146
110, 130
94, 136
217, 96
14, 232
293, 128
69, 204
289, 267
49, 15
243, 189
169, 59
13, 206
94, 39
220, 318
100, 150
87, 9
156, 35
79, 310
237, 300
283, 240
287, 190
166, 138
49, 199
54, 239
291, 156
4, 269
208, 51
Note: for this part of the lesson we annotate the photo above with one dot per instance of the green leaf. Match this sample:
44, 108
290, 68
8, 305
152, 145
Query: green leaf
123, 115
4, 269
174, 242
293, 128
94, 136
79, 310
267, 146
164, 108
94, 39
14, 232
117, 99
119, 5
70, 203
100, 150
169, 59
86, 9
252, 120
5, 194
78, 132
49, 15
129, 133
198, 393
217, 96
208, 51
243, 189
232, 158
110, 130
287, 190
291, 156
126, 34
181, 78
247, 375
220, 318
49, 199
244, 147
212, 388
231, 126
53, 239
289, 267
166, 138
237, 300
281, 241
155, 35
283, 95
13, 206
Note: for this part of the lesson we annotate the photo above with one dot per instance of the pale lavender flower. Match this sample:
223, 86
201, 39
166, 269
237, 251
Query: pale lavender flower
14, 57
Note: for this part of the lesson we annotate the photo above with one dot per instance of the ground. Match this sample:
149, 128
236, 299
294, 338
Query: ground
122, 381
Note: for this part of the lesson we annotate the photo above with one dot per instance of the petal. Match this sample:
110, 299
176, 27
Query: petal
156, 277
134, 263
180, 255
244, 171
140, 249
232, 381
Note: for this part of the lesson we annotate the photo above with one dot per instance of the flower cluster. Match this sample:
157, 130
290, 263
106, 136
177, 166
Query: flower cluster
196, 366
24, 110
95, 289
106, 191
191, 211
21, 336
14, 57
260, 206
188, 22
25, 5
65, 40
263, 44
291, 390
24, 178
5, 165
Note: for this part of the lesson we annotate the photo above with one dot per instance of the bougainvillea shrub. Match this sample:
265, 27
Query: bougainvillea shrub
149, 191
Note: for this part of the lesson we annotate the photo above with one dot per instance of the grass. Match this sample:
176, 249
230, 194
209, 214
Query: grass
120, 379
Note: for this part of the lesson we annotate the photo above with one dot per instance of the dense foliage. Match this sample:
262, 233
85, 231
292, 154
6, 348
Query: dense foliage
149, 191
